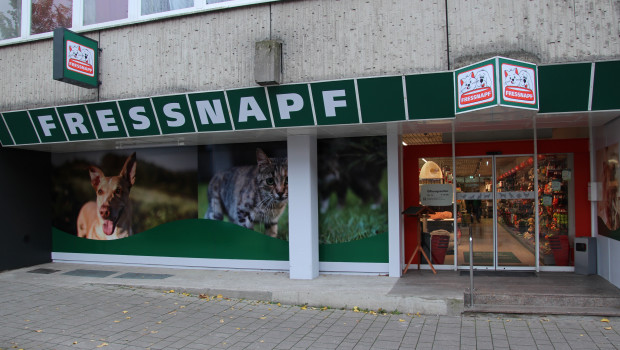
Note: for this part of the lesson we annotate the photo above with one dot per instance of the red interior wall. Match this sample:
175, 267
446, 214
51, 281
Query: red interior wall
581, 174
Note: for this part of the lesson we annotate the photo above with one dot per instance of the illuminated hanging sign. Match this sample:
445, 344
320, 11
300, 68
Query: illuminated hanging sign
496, 82
76, 58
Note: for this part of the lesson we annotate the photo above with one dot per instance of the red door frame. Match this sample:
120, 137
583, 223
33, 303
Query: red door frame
581, 174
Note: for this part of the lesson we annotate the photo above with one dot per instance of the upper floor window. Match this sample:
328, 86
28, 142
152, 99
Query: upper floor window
10, 19
49, 14
155, 6
99, 11
22, 20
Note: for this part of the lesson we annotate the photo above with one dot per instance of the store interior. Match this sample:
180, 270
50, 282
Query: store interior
514, 220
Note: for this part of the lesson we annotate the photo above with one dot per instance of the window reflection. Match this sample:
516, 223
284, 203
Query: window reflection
50, 14
155, 6
10, 19
99, 11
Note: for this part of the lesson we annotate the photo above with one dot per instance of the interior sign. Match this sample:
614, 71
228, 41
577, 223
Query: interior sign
76, 59
436, 195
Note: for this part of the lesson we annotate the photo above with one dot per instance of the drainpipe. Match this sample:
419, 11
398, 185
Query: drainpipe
447, 36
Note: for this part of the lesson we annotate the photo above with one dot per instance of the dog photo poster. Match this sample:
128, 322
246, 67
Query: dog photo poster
116, 194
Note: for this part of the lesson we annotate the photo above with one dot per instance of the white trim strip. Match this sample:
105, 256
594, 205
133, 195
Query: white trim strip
592, 71
353, 267
170, 262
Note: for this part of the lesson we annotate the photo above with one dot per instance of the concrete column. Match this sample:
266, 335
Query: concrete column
303, 207
395, 224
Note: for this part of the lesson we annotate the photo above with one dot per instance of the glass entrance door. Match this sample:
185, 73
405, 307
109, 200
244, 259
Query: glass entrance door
495, 200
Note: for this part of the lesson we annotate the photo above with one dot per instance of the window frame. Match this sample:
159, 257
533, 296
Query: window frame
133, 17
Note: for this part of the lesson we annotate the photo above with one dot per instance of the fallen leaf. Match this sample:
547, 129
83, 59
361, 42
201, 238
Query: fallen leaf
607, 328
158, 322
304, 307
279, 304
116, 321
153, 332
102, 345
219, 296
401, 320
262, 318
75, 342
222, 321
605, 320
125, 311
182, 307
262, 341
203, 296
39, 330
128, 317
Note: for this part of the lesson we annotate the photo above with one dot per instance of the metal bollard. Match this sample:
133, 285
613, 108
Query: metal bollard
471, 268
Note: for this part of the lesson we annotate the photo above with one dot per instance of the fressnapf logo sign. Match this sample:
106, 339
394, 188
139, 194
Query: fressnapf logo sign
80, 58
76, 59
518, 84
476, 86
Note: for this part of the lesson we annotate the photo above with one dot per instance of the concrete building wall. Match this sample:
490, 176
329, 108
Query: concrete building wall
537, 31
322, 39
352, 38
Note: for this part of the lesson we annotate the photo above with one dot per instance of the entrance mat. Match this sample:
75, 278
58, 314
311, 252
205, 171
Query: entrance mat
486, 258
43, 271
144, 276
492, 273
90, 273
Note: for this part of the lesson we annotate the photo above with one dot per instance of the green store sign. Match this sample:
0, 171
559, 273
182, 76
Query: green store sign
496, 82
355, 101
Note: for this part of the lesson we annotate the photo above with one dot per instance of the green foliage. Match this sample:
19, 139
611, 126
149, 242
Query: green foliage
355, 220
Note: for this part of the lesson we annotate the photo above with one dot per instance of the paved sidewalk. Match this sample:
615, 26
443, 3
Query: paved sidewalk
73, 312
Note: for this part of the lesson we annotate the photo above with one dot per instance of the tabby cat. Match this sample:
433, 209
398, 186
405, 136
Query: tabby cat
252, 194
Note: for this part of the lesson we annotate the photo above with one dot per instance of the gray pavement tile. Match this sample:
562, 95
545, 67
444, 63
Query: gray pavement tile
484, 346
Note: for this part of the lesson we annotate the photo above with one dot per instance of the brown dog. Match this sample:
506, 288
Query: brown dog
110, 216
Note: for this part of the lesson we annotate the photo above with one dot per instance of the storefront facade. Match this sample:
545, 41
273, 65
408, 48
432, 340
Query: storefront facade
200, 146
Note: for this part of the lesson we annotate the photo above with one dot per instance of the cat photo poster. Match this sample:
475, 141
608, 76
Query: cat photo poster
245, 184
